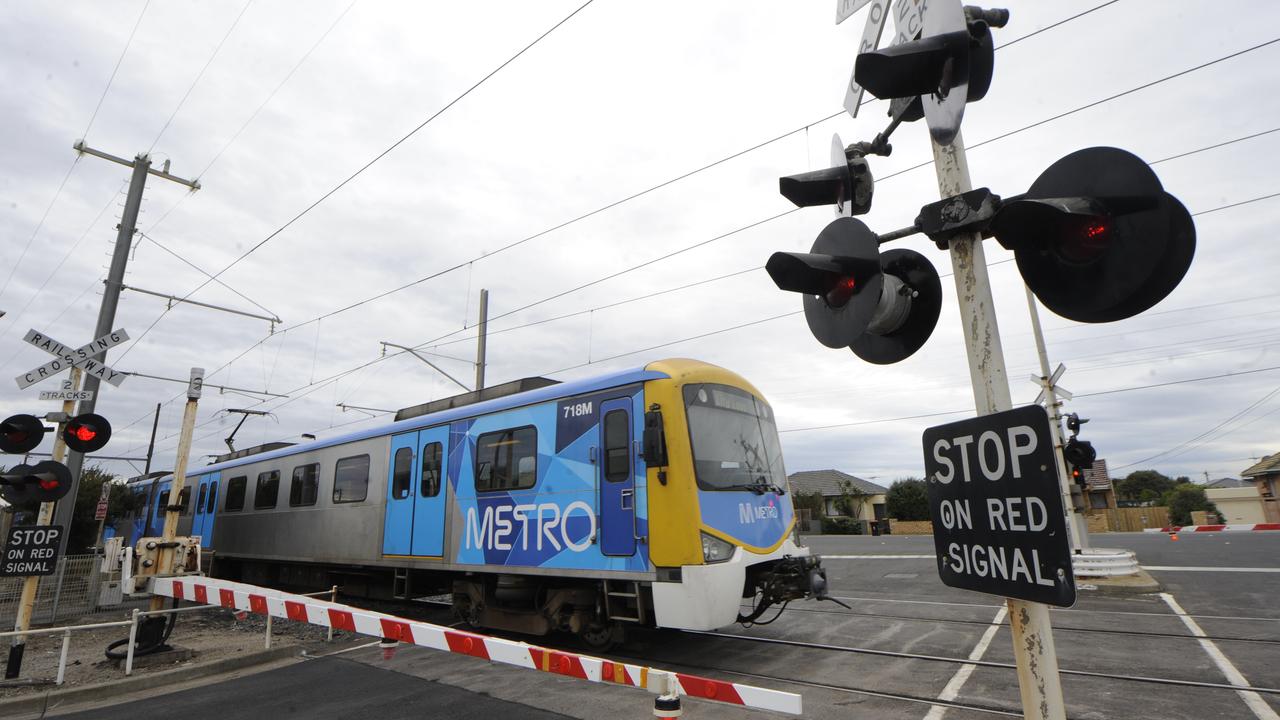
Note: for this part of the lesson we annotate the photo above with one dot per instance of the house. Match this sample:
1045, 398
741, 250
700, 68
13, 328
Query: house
1099, 491
1265, 475
832, 485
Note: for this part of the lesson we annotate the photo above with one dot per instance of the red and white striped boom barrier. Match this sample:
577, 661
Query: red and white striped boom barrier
263, 601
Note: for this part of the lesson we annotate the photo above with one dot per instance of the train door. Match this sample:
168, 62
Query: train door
158, 509
617, 480
397, 530
416, 493
429, 498
203, 513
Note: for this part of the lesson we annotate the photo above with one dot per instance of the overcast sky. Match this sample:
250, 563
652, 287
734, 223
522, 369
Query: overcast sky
273, 104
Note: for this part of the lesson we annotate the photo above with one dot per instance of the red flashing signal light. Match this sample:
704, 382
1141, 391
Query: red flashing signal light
84, 433
87, 433
21, 434
844, 288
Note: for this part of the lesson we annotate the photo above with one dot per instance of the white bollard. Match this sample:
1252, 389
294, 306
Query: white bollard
133, 640
62, 660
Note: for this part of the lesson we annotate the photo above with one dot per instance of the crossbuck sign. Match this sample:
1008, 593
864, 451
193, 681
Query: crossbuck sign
67, 358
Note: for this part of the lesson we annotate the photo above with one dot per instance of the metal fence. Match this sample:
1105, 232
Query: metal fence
75, 589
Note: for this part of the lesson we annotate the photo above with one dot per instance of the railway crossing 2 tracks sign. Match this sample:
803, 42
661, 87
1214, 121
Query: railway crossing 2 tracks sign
67, 357
996, 506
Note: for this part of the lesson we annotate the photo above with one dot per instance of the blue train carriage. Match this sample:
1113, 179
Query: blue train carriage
654, 496
151, 498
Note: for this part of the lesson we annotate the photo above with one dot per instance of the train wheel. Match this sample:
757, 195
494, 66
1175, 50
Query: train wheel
601, 637
466, 611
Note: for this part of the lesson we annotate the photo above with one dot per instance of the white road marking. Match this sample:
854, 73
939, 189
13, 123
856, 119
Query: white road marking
957, 681
1255, 702
879, 557
1191, 568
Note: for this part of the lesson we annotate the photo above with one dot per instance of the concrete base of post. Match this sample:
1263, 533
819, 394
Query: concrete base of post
667, 706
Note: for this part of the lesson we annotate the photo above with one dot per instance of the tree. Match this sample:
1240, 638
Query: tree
851, 499
907, 499
1185, 498
1133, 485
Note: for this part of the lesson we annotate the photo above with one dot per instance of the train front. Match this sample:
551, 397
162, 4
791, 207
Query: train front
721, 515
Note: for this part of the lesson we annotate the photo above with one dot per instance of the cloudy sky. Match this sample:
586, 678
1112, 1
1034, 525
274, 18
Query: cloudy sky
275, 105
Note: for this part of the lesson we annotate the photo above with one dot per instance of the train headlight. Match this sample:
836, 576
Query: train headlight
715, 550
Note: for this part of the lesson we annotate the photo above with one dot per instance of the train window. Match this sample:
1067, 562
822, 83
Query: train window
235, 493
184, 499
507, 459
264, 497
163, 506
204, 491
305, 486
213, 498
735, 442
431, 457
401, 473
617, 446
351, 479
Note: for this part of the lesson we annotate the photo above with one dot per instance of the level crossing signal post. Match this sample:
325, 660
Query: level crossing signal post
168, 536
33, 551
1096, 239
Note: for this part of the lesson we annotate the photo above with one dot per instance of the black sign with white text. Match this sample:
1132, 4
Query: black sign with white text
31, 550
996, 506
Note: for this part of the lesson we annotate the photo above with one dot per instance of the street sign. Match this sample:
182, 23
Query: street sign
100, 512
944, 113
66, 358
998, 523
66, 393
870, 41
846, 8
31, 550
195, 386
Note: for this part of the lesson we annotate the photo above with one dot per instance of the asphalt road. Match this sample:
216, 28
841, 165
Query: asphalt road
1118, 654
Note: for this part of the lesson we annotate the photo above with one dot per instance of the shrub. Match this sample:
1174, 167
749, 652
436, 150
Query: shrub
907, 500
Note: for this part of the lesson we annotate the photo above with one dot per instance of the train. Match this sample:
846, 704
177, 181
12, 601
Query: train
649, 497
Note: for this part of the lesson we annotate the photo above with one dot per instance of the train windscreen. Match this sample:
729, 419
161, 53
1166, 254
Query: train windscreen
735, 441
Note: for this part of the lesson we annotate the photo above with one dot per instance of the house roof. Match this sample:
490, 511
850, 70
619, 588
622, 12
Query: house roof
1097, 477
1228, 483
1269, 465
827, 482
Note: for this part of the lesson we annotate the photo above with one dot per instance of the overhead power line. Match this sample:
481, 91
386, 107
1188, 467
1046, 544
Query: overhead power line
576, 219
1078, 395
362, 169
199, 75
332, 378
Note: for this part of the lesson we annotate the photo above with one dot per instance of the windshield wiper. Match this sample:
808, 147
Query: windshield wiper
758, 488
761, 482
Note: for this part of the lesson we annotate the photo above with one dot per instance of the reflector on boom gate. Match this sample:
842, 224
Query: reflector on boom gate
1096, 237
908, 311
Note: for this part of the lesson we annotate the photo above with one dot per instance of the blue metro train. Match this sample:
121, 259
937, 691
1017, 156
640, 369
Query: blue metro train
655, 496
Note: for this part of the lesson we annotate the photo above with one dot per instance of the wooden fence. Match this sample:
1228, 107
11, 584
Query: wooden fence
1129, 519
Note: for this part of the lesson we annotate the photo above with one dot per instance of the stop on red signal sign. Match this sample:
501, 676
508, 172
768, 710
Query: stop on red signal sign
996, 506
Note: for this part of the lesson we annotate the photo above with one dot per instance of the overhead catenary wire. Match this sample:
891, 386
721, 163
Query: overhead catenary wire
315, 385
253, 116
1036, 124
13, 268
365, 167
200, 75
599, 210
